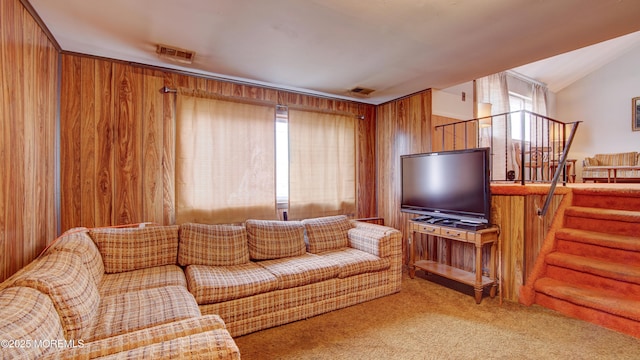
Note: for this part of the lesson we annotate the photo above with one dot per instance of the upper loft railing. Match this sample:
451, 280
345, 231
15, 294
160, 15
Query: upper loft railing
525, 147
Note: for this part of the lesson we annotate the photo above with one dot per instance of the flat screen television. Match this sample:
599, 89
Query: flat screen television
451, 185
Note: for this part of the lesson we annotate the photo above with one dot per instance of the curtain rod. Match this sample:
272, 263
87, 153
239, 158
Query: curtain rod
166, 89
525, 78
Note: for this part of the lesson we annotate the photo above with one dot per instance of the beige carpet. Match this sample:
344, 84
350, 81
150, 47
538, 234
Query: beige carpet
430, 321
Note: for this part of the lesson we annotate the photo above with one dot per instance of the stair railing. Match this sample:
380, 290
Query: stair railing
531, 143
559, 170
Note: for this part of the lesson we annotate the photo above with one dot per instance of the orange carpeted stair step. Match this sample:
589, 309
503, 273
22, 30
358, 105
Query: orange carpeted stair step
602, 300
618, 248
618, 271
617, 222
623, 242
607, 198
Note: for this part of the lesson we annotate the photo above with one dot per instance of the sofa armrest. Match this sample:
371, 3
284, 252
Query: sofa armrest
140, 338
212, 344
378, 240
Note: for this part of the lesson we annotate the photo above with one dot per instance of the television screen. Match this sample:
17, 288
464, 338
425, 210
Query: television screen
448, 184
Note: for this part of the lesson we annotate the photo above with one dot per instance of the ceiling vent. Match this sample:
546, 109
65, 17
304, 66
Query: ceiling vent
175, 54
360, 91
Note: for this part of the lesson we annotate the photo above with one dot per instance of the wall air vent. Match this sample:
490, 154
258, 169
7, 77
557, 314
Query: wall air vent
360, 91
175, 54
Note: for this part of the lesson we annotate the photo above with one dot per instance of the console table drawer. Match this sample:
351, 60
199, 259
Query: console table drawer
453, 233
427, 229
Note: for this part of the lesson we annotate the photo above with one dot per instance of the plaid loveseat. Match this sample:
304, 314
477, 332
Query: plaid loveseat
183, 291
614, 167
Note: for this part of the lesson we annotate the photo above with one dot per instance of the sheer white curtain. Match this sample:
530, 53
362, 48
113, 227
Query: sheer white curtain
322, 168
493, 89
225, 160
539, 99
541, 134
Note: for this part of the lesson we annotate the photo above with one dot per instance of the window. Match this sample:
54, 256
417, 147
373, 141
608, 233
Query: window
282, 157
225, 160
236, 161
518, 102
321, 164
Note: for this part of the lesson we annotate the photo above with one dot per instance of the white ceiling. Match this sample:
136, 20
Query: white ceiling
326, 47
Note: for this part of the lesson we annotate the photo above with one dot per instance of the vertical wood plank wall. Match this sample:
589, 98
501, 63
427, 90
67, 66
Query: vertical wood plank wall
404, 127
28, 77
118, 140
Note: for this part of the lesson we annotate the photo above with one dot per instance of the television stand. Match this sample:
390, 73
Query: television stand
477, 237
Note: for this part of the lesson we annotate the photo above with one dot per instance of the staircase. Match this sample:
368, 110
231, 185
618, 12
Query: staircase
589, 266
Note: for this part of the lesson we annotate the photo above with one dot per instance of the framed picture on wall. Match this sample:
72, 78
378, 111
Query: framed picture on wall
635, 114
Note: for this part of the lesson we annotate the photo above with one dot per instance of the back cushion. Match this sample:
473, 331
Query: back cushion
327, 233
62, 277
617, 159
214, 245
27, 314
79, 242
275, 239
126, 249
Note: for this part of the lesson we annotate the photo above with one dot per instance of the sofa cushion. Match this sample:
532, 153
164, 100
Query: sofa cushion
354, 262
269, 239
148, 278
78, 241
327, 233
126, 249
212, 284
26, 314
215, 245
617, 159
590, 161
301, 270
135, 310
62, 277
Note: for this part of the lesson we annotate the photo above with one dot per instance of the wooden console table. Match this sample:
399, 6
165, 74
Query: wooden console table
479, 238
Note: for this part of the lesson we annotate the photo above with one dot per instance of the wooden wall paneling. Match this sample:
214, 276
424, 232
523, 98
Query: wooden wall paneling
104, 143
386, 134
27, 124
508, 211
12, 109
152, 147
366, 164
88, 136
26, 143
47, 82
168, 151
536, 228
128, 140
403, 127
70, 149
7, 95
4, 114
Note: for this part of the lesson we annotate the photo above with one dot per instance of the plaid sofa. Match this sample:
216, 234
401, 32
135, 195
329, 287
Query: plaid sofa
184, 291
599, 168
